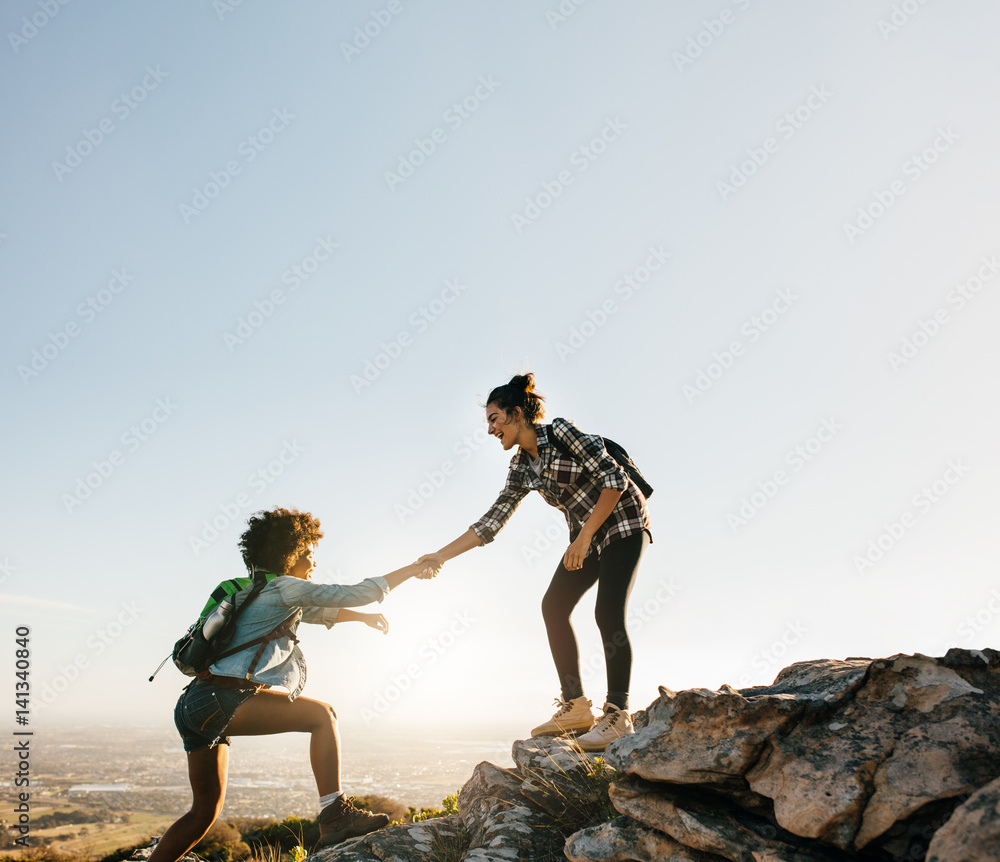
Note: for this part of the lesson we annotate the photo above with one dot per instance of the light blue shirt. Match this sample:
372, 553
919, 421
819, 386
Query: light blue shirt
282, 662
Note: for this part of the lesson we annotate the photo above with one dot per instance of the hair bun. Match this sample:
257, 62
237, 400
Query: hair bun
523, 382
519, 391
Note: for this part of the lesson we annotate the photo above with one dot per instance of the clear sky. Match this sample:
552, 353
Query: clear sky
277, 254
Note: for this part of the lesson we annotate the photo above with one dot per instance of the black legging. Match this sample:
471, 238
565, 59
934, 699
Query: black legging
614, 572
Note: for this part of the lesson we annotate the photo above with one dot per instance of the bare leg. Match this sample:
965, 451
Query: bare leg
207, 769
272, 712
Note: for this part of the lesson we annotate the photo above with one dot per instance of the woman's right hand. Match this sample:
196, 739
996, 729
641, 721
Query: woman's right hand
430, 565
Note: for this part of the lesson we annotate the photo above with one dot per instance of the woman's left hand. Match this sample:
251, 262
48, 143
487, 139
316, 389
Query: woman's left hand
575, 553
377, 621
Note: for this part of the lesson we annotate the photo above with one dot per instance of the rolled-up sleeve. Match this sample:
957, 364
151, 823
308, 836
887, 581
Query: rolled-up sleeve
589, 449
322, 616
487, 527
315, 599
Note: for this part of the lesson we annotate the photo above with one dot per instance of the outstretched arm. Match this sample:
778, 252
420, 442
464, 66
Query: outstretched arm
466, 542
422, 568
376, 621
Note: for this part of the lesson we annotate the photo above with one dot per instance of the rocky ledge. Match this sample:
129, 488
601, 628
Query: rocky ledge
892, 760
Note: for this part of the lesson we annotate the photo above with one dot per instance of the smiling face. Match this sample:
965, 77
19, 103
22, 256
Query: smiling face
503, 425
303, 566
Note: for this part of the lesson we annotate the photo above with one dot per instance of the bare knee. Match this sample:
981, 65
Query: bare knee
203, 815
322, 715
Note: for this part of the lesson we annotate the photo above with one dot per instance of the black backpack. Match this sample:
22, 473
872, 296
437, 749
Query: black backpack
617, 452
197, 650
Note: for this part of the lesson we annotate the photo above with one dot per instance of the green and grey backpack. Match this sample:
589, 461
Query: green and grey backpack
208, 639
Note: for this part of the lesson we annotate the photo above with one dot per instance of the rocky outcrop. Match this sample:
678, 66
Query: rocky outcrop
624, 840
972, 833
836, 760
708, 824
855, 755
441, 838
505, 815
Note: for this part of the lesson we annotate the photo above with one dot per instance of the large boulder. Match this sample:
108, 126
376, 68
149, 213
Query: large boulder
706, 823
851, 753
625, 840
502, 824
561, 780
428, 840
504, 815
972, 834
711, 738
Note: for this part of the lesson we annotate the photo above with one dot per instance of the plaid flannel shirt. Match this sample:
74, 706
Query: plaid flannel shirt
571, 484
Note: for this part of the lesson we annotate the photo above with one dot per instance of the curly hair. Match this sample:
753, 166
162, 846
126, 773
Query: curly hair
275, 539
519, 391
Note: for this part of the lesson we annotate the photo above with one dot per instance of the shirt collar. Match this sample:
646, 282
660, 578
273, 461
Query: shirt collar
523, 459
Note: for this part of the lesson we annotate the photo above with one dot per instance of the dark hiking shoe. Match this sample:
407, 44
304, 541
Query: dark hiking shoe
340, 820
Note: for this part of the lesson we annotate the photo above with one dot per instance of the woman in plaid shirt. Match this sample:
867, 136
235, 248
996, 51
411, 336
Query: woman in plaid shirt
608, 528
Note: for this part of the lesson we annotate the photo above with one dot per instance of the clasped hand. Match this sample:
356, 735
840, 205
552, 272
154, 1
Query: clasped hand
431, 563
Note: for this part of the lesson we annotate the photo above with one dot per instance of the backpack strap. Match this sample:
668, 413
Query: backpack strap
284, 629
619, 455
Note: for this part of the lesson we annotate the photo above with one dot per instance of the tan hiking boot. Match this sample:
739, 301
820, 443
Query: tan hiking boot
572, 716
340, 820
614, 724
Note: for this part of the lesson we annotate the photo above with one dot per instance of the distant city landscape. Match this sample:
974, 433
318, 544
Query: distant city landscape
94, 790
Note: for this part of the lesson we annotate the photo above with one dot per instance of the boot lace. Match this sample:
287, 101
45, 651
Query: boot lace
564, 707
607, 721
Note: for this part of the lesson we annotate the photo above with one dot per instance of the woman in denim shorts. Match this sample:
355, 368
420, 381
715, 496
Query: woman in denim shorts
233, 698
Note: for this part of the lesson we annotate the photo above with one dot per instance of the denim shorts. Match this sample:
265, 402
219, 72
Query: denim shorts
204, 711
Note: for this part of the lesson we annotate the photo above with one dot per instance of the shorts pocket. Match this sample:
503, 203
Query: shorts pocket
206, 709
